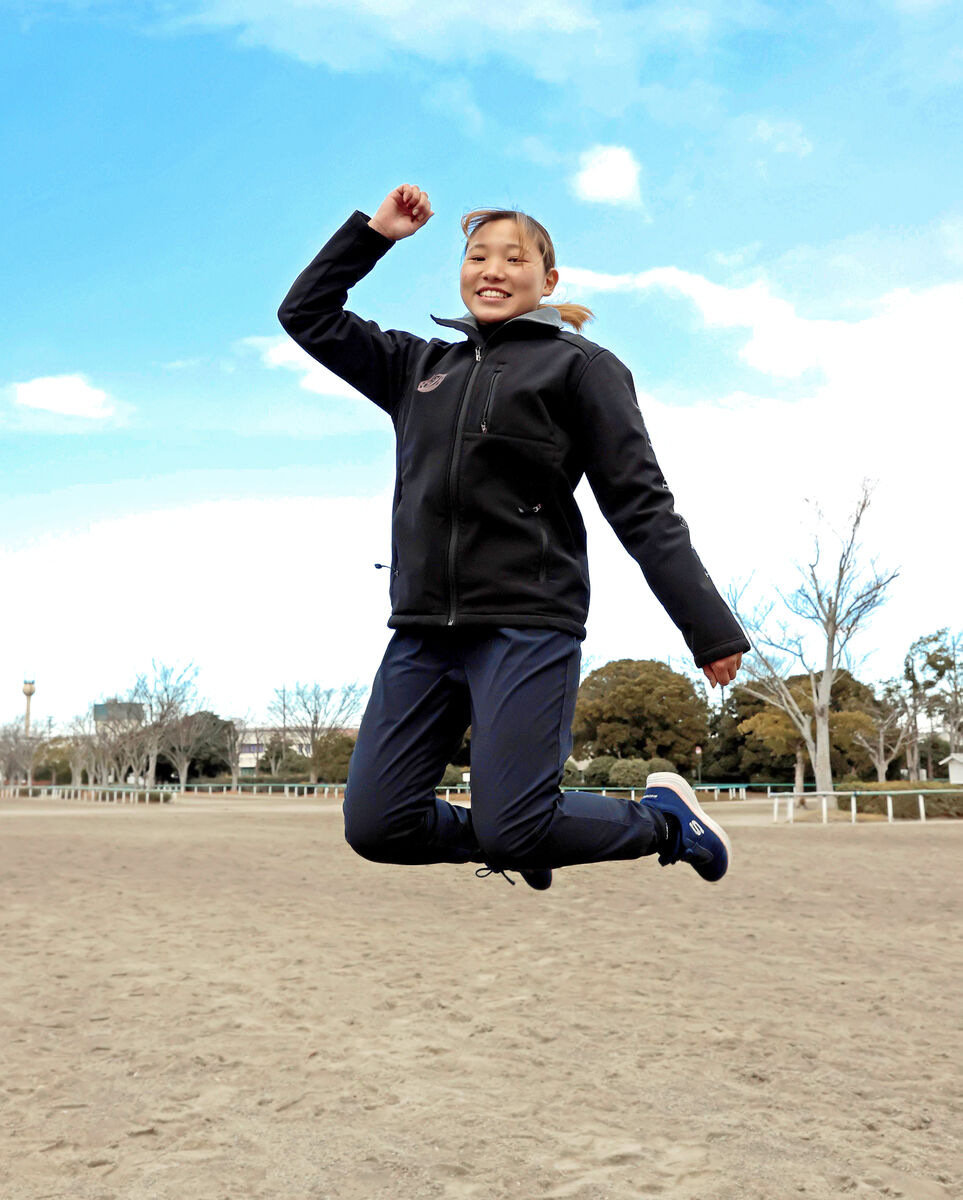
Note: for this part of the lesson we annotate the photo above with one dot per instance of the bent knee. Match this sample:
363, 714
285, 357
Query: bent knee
364, 831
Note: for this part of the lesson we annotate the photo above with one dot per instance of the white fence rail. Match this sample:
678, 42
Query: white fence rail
788, 799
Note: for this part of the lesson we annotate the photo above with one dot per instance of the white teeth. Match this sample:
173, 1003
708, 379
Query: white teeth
491, 294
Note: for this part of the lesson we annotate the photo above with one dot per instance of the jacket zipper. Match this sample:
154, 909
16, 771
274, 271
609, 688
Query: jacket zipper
543, 553
488, 402
453, 487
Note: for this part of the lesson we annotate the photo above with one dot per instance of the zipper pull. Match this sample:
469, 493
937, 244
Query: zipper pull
478, 354
386, 567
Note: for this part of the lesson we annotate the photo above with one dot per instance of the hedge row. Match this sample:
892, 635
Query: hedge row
906, 807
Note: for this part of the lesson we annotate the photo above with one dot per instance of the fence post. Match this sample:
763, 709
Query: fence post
824, 804
790, 807
922, 807
775, 806
889, 808
852, 808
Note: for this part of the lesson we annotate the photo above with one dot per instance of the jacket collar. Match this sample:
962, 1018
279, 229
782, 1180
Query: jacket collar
544, 315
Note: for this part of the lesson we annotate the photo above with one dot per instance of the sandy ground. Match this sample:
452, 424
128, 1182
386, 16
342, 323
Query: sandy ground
213, 1001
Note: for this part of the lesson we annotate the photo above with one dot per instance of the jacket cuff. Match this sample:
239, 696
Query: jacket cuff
722, 650
358, 223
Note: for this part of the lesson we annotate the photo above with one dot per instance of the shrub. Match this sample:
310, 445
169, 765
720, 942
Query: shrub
660, 764
905, 804
453, 776
597, 772
571, 775
629, 773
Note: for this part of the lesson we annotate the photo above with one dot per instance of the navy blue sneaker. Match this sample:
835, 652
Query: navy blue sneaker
539, 879
693, 835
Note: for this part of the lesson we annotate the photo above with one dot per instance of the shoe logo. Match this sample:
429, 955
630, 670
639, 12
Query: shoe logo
429, 385
696, 828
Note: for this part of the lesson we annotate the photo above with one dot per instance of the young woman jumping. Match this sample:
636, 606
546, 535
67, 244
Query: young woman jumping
489, 578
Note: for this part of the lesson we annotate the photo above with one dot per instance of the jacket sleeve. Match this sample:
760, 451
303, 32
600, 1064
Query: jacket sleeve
635, 499
373, 360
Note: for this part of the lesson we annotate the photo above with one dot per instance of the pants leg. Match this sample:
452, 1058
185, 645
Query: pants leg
523, 685
414, 722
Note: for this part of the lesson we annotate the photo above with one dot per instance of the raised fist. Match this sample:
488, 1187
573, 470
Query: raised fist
402, 212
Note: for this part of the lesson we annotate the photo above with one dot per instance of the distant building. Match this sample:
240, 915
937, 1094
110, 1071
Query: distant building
114, 714
256, 739
956, 767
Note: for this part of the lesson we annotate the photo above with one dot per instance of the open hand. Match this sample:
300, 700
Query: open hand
402, 212
723, 670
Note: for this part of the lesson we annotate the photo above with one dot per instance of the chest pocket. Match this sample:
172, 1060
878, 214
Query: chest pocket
507, 409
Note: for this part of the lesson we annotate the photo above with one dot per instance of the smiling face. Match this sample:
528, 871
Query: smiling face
501, 277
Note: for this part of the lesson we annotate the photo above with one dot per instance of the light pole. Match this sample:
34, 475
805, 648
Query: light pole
698, 754
28, 691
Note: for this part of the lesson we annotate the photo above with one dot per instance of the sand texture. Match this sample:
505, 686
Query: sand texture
217, 1001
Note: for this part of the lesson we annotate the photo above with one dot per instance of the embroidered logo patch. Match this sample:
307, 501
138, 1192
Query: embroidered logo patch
429, 385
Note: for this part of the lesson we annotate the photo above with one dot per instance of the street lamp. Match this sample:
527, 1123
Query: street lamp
698, 754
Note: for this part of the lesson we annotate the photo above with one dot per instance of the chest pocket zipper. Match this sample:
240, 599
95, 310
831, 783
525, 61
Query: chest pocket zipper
486, 412
536, 512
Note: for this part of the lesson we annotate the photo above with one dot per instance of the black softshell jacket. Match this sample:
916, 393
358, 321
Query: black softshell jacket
492, 439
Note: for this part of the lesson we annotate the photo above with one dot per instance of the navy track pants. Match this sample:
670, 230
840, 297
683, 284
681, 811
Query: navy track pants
517, 690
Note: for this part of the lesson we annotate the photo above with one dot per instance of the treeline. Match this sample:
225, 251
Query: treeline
632, 717
161, 730
645, 713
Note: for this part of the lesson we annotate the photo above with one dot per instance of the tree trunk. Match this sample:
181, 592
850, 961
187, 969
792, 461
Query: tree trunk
913, 756
151, 768
799, 783
879, 759
235, 778
183, 765
822, 697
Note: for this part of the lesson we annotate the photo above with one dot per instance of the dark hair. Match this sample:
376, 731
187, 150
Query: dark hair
531, 230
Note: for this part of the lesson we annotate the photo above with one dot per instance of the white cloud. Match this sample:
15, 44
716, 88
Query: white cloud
595, 49
883, 404
608, 175
784, 137
342, 409
320, 617
283, 352
66, 395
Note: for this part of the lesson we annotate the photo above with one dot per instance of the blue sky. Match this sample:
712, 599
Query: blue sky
759, 200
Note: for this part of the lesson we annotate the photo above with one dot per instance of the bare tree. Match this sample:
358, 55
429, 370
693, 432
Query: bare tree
187, 738
889, 732
311, 712
273, 749
80, 749
119, 734
166, 695
230, 742
16, 752
837, 605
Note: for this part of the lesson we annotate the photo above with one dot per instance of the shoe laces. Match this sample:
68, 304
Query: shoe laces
486, 870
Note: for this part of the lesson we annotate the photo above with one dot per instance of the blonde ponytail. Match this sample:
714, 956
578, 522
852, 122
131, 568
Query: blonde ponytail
575, 315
